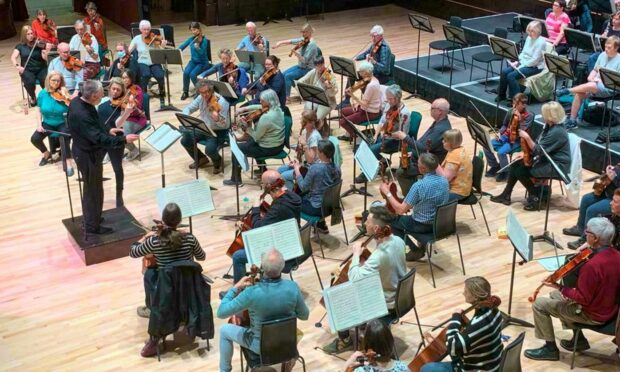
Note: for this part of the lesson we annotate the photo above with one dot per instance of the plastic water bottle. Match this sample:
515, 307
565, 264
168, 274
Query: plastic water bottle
245, 204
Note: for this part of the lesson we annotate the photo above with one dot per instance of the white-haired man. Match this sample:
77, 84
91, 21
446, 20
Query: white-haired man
253, 43
88, 46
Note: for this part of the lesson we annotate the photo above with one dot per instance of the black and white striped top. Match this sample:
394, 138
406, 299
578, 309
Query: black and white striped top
163, 255
479, 346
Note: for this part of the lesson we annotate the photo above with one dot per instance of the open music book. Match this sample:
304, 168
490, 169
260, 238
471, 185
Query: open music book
367, 161
518, 235
163, 137
284, 236
193, 197
355, 302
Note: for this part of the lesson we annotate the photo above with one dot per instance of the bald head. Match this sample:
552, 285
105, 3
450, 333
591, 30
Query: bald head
270, 176
440, 108
63, 47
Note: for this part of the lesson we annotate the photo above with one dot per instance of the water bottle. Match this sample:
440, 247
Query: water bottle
245, 204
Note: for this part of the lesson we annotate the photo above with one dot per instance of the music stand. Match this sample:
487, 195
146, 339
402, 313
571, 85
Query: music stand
195, 125
236, 152
161, 143
63, 157
252, 59
507, 49
354, 189
579, 40
525, 20
65, 33
165, 57
343, 67
560, 67
420, 23
611, 81
455, 35
314, 95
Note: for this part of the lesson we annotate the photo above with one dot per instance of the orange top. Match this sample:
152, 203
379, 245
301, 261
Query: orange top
96, 28
44, 33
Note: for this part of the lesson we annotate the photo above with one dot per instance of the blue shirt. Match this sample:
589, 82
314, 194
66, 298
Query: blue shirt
242, 77
308, 53
426, 195
199, 56
319, 177
52, 111
382, 67
246, 43
72, 78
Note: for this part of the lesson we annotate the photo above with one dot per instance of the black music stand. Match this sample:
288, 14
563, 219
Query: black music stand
525, 20
507, 49
63, 157
611, 81
165, 57
579, 40
196, 126
252, 59
243, 163
560, 67
343, 67
314, 95
354, 189
455, 35
480, 137
420, 23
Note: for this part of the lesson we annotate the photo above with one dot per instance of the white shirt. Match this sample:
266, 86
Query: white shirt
76, 44
144, 56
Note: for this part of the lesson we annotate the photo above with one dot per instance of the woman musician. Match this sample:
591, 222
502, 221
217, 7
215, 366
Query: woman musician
30, 59
554, 141
94, 25
44, 28
379, 343
122, 62
200, 51
271, 79
143, 44
137, 118
229, 72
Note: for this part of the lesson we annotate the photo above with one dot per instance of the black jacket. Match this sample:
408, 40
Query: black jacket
287, 206
181, 295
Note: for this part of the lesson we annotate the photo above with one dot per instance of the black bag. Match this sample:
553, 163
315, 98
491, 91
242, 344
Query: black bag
614, 135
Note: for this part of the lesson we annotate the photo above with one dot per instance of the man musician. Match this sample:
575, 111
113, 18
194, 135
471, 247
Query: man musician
253, 42
321, 77
73, 75
227, 71
84, 41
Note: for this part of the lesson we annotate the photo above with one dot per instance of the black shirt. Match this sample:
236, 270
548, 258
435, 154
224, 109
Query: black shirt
108, 114
287, 206
88, 132
36, 61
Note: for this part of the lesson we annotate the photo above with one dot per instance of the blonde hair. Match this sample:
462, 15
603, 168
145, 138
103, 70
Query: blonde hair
553, 112
309, 116
307, 27
478, 287
454, 137
49, 76
24, 32
118, 81
534, 26
615, 40
226, 51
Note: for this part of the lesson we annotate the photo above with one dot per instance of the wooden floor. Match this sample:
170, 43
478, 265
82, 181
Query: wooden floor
58, 314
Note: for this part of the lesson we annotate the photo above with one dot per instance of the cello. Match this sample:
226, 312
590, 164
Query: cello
245, 224
392, 189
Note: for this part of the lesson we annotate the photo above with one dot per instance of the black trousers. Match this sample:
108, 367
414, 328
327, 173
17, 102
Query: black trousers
29, 78
519, 173
252, 149
37, 139
91, 169
407, 177
116, 159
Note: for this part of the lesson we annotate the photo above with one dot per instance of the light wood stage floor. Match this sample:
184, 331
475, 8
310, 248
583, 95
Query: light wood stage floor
58, 314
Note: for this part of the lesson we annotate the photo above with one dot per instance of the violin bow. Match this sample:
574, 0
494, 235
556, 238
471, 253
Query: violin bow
485, 119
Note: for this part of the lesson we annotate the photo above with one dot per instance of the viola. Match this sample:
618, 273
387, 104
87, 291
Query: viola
392, 189
73, 64
369, 357
299, 45
258, 40
122, 102
245, 224
61, 97
243, 318
253, 116
268, 75
375, 49
151, 38
564, 270
86, 39
303, 170
326, 76
230, 70
390, 123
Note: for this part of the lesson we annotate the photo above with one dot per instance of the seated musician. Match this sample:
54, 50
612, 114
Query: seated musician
44, 28
423, 198
275, 82
137, 118
321, 77
431, 141
208, 102
365, 109
264, 138
555, 23
147, 68
457, 167
607, 205
307, 147
225, 70
592, 301
475, 345
200, 50
72, 73
396, 114
30, 64
378, 53
87, 44
285, 204
379, 339
554, 140
253, 42
610, 59
387, 259
613, 29
306, 50
503, 144
270, 298
94, 25
530, 62
123, 61
322, 174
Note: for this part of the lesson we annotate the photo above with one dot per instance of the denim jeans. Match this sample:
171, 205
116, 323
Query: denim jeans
509, 78
503, 148
288, 174
389, 145
211, 143
403, 225
191, 71
230, 333
437, 367
293, 73
592, 206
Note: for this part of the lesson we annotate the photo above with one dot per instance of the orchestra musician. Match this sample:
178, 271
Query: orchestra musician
592, 301
307, 147
213, 110
379, 339
167, 245
90, 137
145, 64
503, 144
387, 259
475, 345
306, 51
51, 117
84, 41
555, 23
200, 51
229, 72
44, 28
431, 141
123, 61
94, 25
457, 167
322, 78
378, 53
264, 138
554, 140
399, 120
613, 29
423, 198
253, 42
32, 62
69, 67
275, 82
137, 118
365, 109
270, 298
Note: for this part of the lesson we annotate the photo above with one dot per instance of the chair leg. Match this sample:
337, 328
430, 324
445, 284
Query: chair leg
430, 263
485, 218
318, 236
139, 150
472, 211
458, 240
463, 55
417, 319
428, 61
562, 188
577, 335
303, 362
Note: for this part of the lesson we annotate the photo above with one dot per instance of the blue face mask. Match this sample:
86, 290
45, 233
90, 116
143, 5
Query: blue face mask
120, 54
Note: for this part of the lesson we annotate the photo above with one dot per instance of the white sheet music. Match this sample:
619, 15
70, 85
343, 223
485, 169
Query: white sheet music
163, 137
367, 161
193, 197
519, 237
239, 155
284, 236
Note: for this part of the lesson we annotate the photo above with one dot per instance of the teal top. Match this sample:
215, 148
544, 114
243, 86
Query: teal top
52, 111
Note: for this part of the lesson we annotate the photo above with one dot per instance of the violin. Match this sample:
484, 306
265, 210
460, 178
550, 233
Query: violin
268, 75
73, 64
392, 190
122, 102
564, 270
198, 41
369, 357
391, 117
232, 70
299, 45
86, 39
326, 77
151, 38
258, 40
375, 49
37, 43
48, 25
601, 183
60, 96
252, 117
243, 319
360, 84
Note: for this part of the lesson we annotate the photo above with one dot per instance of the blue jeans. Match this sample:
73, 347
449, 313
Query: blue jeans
288, 174
230, 333
437, 367
191, 71
155, 71
293, 73
503, 148
389, 145
211, 143
452, 197
509, 78
592, 206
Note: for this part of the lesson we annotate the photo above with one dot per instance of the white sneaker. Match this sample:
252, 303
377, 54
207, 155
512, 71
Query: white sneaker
133, 154
106, 159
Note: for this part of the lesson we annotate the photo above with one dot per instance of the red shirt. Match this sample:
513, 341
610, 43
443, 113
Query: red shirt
48, 36
97, 30
598, 285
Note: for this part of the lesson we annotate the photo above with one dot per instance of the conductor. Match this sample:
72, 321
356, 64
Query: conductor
90, 138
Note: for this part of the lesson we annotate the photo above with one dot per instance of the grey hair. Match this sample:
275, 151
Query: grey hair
202, 84
535, 26
366, 66
144, 24
442, 104
395, 91
602, 228
272, 263
429, 161
79, 22
376, 29
90, 88
271, 98
250, 24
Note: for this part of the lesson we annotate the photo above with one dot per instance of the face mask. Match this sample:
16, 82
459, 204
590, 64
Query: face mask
120, 54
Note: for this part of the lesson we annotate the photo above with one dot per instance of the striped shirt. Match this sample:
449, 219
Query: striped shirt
426, 195
164, 255
479, 346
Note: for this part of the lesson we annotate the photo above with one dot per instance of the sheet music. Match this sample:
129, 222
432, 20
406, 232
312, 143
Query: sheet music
552, 263
519, 237
163, 137
367, 161
239, 155
284, 236
193, 197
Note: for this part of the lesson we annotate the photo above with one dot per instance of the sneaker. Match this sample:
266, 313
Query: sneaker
133, 154
338, 346
562, 92
149, 349
323, 230
218, 167
202, 162
231, 183
184, 96
582, 344
534, 204
44, 161
570, 124
576, 244
572, 231
345, 138
543, 353
143, 312
492, 172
